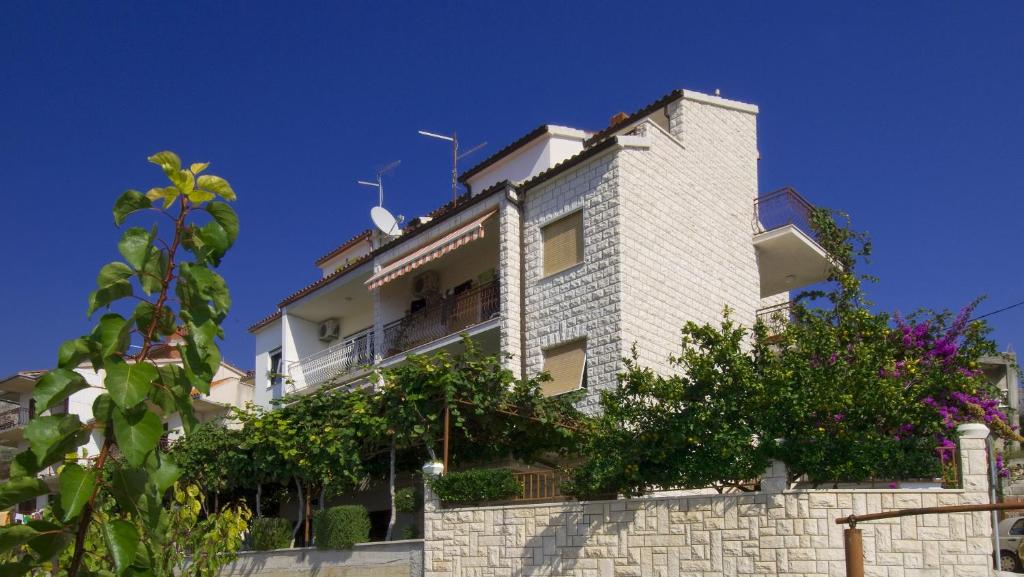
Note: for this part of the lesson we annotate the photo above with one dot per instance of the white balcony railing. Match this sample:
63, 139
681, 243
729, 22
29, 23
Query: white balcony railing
333, 362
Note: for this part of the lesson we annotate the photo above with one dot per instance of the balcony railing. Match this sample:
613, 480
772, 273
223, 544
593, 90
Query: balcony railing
776, 317
450, 316
780, 208
335, 361
12, 418
541, 485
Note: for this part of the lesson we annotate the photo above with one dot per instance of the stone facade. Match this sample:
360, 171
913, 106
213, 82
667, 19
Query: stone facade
777, 531
584, 301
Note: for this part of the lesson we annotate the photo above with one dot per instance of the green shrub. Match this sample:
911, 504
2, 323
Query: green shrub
405, 500
341, 527
268, 533
410, 532
476, 485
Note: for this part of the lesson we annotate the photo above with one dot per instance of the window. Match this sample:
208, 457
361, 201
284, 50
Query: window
1018, 528
275, 374
567, 365
563, 243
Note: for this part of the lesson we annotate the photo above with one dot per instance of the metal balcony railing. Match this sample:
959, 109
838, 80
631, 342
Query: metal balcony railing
450, 316
14, 417
335, 361
780, 208
540, 485
776, 317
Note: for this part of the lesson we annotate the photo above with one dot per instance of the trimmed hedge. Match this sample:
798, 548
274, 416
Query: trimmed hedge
267, 533
341, 527
476, 485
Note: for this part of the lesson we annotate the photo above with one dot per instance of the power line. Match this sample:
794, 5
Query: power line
1015, 305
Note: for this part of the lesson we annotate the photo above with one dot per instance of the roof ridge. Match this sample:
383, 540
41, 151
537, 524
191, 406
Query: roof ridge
345, 245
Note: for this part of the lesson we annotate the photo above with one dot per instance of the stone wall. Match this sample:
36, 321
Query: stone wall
777, 531
392, 559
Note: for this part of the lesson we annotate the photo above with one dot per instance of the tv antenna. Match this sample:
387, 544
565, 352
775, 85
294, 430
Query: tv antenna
382, 217
456, 157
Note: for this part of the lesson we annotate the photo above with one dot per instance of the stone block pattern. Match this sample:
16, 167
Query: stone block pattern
511, 286
687, 212
583, 301
773, 532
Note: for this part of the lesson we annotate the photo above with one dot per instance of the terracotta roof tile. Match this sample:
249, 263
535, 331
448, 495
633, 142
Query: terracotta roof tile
264, 321
664, 100
344, 246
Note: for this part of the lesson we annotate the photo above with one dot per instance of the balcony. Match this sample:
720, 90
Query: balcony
333, 362
13, 419
788, 255
449, 316
776, 318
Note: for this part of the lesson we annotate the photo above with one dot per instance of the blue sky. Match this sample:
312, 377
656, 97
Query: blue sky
906, 115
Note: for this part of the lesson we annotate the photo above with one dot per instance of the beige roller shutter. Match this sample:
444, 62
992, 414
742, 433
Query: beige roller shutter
563, 243
566, 364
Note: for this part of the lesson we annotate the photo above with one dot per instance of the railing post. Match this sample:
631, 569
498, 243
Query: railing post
853, 543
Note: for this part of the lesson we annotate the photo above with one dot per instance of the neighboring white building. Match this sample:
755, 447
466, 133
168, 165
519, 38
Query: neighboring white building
569, 248
231, 386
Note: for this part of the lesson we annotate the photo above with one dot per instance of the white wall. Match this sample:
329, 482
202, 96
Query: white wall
545, 151
356, 251
267, 339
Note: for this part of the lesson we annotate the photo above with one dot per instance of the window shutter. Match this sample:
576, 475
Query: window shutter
563, 243
566, 364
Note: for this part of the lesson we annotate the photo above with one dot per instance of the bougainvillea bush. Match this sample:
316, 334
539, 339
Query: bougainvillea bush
840, 394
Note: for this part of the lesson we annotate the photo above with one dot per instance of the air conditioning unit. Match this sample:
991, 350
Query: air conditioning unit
329, 330
426, 283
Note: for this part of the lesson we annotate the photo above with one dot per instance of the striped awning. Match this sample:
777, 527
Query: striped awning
440, 247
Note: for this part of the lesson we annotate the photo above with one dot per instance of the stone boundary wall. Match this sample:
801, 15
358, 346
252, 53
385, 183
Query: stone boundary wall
777, 531
387, 559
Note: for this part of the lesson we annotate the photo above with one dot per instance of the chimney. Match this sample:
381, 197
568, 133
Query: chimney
618, 118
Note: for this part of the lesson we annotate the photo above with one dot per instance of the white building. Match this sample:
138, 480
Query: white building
568, 248
231, 386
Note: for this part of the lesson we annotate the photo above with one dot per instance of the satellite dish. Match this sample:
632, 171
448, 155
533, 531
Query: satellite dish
385, 221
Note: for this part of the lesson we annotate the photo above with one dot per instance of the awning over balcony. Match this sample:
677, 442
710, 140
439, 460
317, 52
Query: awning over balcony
440, 247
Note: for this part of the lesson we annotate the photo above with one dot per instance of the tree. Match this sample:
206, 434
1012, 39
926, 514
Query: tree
170, 294
213, 458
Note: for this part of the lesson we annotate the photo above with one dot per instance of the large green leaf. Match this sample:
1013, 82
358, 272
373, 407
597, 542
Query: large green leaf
26, 464
134, 246
208, 285
112, 283
112, 273
18, 568
20, 489
13, 535
198, 167
51, 541
122, 542
127, 485
209, 242
55, 386
72, 352
76, 486
137, 433
112, 334
143, 316
103, 408
153, 273
129, 202
216, 185
226, 217
167, 161
128, 383
163, 471
52, 435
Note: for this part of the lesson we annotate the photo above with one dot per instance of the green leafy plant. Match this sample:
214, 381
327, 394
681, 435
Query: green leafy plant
213, 457
270, 533
475, 486
410, 532
341, 527
406, 500
170, 294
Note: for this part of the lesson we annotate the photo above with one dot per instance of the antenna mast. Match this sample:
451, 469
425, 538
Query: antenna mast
454, 139
380, 183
